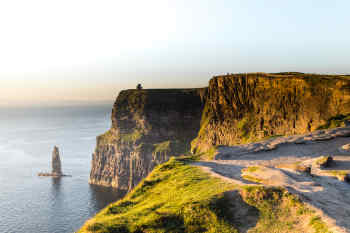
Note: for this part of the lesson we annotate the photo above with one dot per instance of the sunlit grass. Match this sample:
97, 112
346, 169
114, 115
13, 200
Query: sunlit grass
178, 197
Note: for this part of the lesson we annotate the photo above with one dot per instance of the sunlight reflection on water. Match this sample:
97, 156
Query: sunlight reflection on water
33, 204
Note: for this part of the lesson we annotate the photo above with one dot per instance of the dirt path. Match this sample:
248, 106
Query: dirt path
327, 195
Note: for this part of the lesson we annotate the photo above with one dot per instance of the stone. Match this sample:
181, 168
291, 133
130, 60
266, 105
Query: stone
56, 165
324, 161
345, 148
56, 162
344, 178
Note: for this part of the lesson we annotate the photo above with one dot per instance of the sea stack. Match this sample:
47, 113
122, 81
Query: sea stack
56, 165
56, 162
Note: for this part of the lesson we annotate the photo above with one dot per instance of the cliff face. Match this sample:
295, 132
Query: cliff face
148, 126
56, 161
248, 107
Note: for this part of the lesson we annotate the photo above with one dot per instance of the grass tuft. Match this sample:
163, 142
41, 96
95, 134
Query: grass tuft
318, 225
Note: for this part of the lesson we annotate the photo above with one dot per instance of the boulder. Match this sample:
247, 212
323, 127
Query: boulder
345, 148
324, 161
344, 177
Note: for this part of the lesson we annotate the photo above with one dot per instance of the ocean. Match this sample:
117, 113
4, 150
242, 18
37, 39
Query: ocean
33, 204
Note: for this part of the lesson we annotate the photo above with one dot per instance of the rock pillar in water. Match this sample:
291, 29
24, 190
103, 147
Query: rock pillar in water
56, 162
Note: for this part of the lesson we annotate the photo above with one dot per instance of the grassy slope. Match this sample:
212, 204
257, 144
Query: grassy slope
178, 197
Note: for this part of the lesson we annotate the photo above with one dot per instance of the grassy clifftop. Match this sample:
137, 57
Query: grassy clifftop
178, 197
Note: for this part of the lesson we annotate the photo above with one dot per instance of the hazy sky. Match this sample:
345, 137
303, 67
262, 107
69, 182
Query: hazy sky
86, 51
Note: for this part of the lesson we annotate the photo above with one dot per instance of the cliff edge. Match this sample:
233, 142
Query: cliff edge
148, 126
276, 183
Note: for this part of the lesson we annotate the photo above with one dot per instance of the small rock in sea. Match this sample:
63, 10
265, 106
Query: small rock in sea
56, 162
56, 165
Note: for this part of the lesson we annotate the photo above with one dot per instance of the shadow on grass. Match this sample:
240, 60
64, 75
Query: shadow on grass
234, 210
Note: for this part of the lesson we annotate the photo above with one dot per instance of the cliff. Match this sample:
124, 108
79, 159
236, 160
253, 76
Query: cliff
148, 126
244, 108
272, 185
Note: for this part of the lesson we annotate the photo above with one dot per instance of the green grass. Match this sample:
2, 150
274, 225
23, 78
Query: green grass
251, 169
252, 178
162, 147
106, 138
338, 172
131, 137
342, 175
280, 211
205, 120
334, 122
178, 197
318, 225
244, 126
210, 154
322, 161
110, 138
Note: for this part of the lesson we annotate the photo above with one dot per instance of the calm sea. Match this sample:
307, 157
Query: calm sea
33, 204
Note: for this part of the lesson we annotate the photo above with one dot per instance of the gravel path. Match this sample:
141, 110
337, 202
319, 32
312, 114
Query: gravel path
327, 195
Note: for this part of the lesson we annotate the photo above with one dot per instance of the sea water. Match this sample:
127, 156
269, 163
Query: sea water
33, 204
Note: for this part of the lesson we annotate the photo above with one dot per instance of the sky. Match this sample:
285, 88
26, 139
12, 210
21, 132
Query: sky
84, 51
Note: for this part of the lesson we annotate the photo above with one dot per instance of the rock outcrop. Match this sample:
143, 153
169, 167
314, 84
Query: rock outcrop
148, 126
56, 162
56, 165
245, 108
345, 148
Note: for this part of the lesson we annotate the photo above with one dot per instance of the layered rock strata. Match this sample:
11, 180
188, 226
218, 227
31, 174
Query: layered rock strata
56, 161
56, 165
148, 126
244, 108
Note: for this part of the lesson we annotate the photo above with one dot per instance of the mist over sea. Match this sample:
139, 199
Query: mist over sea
33, 204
